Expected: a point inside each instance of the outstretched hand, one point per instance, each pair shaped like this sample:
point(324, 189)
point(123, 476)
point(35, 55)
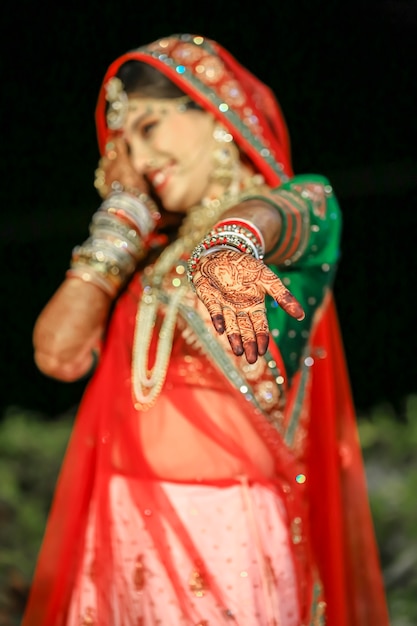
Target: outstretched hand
point(233, 286)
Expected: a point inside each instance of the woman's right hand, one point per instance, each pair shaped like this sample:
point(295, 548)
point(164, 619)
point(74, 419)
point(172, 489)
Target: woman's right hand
point(115, 167)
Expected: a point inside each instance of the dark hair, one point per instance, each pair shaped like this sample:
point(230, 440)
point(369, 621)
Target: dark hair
point(146, 80)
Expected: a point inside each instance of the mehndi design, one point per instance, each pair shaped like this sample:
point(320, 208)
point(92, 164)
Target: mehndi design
point(233, 286)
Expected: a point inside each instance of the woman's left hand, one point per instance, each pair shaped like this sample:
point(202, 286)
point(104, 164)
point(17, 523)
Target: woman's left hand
point(233, 286)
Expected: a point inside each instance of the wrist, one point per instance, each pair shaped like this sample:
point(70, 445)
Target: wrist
point(231, 233)
point(264, 217)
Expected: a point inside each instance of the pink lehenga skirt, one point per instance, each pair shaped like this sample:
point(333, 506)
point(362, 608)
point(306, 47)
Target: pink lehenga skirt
point(241, 532)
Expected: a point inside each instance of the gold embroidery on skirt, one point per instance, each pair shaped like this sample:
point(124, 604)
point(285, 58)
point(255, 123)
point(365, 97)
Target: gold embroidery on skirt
point(197, 583)
point(88, 619)
point(139, 574)
point(270, 572)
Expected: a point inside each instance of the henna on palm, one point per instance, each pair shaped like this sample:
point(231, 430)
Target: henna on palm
point(233, 286)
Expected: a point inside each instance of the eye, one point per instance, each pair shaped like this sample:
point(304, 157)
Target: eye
point(148, 127)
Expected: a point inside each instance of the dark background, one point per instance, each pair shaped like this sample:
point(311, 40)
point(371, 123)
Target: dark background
point(344, 75)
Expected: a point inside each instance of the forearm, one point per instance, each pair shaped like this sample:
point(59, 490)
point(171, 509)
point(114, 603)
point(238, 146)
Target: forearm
point(69, 328)
point(72, 324)
point(264, 217)
point(307, 225)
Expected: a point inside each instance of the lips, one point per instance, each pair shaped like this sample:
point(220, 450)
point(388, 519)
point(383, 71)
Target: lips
point(159, 178)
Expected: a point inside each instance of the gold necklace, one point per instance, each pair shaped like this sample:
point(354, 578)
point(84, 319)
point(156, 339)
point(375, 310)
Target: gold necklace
point(148, 382)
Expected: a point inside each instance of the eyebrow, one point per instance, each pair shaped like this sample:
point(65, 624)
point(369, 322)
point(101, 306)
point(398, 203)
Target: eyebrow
point(140, 119)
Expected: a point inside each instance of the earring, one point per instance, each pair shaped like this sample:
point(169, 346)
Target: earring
point(225, 157)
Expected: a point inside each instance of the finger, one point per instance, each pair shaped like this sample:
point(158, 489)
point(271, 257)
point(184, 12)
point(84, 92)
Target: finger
point(111, 151)
point(208, 297)
point(275, 288)
point(116, 150)
point(260, 326)
point(119, 145)
point(102, 162)
point(100, 179)
point(232, 331)
point(247, 333)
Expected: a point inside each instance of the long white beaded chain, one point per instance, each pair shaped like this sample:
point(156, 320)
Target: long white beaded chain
point(147, 383)
point(143, 378)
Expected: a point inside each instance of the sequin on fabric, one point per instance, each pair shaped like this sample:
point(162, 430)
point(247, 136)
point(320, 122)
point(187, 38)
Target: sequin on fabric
point(197, 583)
point(139, 574)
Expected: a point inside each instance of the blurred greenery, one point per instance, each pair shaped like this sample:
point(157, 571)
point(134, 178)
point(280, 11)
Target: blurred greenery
point(31, 451)
point(389, 447)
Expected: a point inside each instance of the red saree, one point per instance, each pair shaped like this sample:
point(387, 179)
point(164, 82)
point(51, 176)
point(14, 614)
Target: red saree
point(321, 479)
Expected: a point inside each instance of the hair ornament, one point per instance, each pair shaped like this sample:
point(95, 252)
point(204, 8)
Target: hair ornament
point(118, 103)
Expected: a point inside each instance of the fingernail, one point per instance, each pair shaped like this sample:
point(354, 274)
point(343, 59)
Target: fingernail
point(251, 352)
point(218, 323)
point(236, 344)
point(263, 341)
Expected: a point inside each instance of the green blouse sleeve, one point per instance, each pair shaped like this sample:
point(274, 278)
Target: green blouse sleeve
point(307, 252)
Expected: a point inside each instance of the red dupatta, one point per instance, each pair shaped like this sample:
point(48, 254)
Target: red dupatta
point(341, 524)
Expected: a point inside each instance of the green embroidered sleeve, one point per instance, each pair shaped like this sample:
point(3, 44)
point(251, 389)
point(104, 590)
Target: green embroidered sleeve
point(307, 253)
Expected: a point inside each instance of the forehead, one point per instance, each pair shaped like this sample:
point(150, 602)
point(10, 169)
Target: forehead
point(140, 105)
point(138, 109)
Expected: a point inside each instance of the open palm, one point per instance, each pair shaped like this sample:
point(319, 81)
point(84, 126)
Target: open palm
point(233, 286)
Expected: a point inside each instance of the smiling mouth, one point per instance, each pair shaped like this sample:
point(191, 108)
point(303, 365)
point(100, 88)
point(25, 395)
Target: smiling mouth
point(159, 178)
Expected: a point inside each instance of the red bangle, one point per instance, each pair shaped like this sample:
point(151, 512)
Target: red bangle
point(246, 224)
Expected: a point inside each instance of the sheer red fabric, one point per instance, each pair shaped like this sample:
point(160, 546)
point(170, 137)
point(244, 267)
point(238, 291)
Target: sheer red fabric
point(110, 436)
point(342, 526)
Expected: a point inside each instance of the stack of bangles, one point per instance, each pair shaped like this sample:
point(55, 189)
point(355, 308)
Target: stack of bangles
point(118, 236)
point(229, 234)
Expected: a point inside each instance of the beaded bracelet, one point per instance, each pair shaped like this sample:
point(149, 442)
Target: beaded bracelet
point(229, 234)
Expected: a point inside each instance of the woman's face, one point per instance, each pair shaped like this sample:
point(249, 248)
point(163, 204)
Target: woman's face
point(172, 148)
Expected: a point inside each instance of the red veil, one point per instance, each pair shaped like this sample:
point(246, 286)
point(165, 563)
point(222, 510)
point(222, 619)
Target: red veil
point(341, 525)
